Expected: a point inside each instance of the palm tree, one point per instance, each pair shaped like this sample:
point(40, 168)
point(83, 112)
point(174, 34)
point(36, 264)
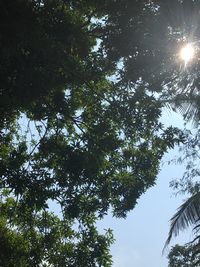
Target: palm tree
point(188, 214)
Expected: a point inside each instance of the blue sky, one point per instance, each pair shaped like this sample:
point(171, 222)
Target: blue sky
point(141, 236)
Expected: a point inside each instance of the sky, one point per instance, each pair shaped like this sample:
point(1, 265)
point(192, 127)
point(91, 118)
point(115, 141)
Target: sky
point(140, 238)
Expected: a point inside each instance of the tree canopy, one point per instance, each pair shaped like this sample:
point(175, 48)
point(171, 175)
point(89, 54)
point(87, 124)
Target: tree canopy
point(83, 84)
point(188, 214)
point(182, 256)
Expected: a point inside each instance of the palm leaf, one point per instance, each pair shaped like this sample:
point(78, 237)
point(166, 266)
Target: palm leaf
point(188, 213)
point(197, 238)
point(189, 111)
point(196, 228)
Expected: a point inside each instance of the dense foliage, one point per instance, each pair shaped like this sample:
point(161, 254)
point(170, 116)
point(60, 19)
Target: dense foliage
point(83, 84)
point(187, 100)
point(188, 213)
point(182, 256)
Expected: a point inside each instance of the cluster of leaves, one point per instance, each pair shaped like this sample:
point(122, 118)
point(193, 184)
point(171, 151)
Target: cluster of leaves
point(42, 239)
point(68, 132)
point(186, 99)
point(188, 213)
point(182, 256)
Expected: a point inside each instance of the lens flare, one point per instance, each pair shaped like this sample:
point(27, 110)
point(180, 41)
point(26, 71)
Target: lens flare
point(187, 53)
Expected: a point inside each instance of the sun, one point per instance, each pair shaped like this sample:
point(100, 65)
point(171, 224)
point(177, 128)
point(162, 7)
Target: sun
point(187, 53)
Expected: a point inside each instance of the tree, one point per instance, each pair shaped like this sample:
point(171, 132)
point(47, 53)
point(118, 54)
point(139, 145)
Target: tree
point(47, 240)
point(179, 88)
point(72, 134)
point(182, 256)
point(188, 213)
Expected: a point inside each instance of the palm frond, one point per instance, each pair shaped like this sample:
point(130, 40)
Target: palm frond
point(197, 238)
point(189, 111)
point(187, 104)
point(188, 213)
point(197, 227)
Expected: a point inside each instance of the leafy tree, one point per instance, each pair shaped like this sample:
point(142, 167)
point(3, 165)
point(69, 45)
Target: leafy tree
point(178, 86)
point(83, 84)
point(42, 239)
point(188, 213)
point(182, 256)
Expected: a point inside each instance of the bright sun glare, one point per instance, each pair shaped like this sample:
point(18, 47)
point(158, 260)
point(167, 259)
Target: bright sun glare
point(187, 53)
